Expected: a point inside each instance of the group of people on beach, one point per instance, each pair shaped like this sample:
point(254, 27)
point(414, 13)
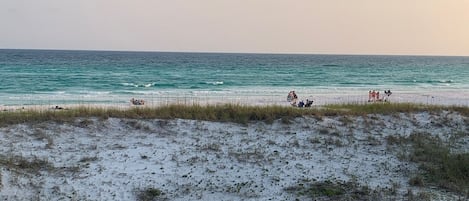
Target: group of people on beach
point(373, 96)
point(293, 98)
point(137, 101)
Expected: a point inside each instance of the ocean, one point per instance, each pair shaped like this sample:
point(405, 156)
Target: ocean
point(57, 77)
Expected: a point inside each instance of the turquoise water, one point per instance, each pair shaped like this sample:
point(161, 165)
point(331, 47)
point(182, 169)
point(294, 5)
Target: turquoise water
point(41, 77)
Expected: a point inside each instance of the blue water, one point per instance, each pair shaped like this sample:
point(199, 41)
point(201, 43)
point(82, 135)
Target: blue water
point(41, 77)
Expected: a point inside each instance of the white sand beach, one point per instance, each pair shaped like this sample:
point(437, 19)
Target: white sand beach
point(118, 159)
point(448, 98)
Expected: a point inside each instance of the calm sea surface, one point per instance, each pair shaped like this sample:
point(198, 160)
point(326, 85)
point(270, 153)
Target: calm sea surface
point(43, 77)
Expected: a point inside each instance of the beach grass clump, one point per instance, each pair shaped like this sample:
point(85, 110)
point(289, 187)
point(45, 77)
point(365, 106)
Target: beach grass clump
point(388, 108)
point(149, 194)
point(22, 164)
point(419, 196)
point(438, 165)
point(332, 190)
point(318, 189)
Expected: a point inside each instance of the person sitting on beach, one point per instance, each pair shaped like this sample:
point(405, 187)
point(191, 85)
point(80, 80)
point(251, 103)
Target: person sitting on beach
point(295, 97)
point(137, 102)
point(301, 103)
point(292, 98)
point(308, 103)
point(388, 93)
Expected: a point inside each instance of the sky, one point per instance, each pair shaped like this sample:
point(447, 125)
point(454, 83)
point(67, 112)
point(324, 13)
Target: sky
point(389, 27)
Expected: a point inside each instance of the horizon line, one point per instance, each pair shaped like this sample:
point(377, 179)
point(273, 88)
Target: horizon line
point(227, 52)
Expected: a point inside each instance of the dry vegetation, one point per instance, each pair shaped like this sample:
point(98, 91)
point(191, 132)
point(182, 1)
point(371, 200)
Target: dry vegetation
point(221, 113)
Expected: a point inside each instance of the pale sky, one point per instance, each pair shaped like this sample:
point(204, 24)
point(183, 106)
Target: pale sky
point(403, 27)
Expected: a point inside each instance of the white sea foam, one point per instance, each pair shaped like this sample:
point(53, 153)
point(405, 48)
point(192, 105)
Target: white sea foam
point(215, 83)
point(138, 85)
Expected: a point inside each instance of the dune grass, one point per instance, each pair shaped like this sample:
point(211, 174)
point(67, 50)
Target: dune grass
point(391, 108)
point(438, 165)
point(22, 164)
point(336, 190)
point(222, 113)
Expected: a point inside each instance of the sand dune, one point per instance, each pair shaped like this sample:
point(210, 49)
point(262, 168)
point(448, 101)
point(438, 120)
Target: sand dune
point(119, 159)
